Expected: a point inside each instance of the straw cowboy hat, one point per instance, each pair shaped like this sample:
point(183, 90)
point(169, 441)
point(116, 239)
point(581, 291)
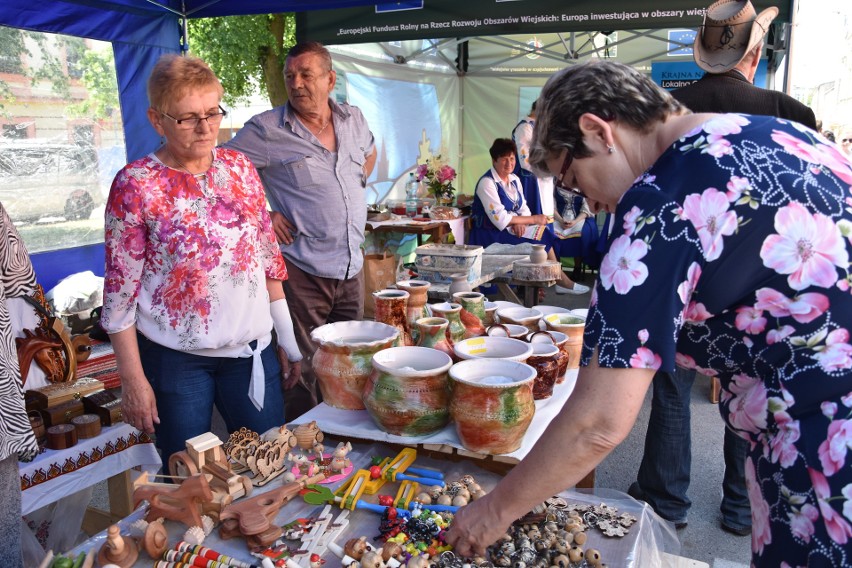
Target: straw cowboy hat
point(731, 29)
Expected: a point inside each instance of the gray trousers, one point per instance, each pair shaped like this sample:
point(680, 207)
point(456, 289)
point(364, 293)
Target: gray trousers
point(10, 513)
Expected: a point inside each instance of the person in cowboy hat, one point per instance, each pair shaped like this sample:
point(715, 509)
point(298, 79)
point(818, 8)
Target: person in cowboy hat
point(728, 47)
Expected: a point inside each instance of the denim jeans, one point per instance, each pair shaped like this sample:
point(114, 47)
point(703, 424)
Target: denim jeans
point(663, 477)
point(187, 386)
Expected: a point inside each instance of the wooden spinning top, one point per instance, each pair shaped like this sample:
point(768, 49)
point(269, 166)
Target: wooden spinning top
point(156, 539)
point(118, 550)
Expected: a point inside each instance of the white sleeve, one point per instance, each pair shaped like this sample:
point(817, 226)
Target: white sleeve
point(486, 190)
point(524, 134)
point(283, 324)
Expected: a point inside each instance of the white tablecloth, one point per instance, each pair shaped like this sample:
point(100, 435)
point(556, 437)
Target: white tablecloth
point(456, 225)
point(55, 474)
point(358, 424)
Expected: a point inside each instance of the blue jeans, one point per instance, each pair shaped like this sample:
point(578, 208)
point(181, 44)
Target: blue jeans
point(187, 386)
point(663, 477)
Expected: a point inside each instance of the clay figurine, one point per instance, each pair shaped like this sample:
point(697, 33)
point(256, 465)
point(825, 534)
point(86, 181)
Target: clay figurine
point(339, 461)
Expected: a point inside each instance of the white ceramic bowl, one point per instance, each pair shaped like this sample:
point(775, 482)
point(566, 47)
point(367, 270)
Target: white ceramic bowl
point(486, 347)
point(580, 312)
point(520, 316)
point(564, 322)
point(505, 304)
point(547, 310)
point(488, 372)
point(412, 361)
point(516, 331)
point(354, 333)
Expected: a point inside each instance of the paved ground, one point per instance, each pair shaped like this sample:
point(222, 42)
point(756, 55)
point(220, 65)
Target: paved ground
point(702, 539)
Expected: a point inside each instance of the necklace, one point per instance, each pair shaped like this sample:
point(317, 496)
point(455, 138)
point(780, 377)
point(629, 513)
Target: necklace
point(183, 167)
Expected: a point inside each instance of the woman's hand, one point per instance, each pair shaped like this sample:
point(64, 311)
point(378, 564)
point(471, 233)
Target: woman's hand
point(290, 372)
point(518, 230)
point(138, 404)
point(476, 526)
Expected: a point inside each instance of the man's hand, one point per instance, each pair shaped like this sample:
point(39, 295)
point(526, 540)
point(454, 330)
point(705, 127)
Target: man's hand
point(284, 229)
point(290, 372)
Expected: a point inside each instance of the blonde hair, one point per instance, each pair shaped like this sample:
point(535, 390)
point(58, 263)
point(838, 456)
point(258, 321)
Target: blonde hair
point(174, 76)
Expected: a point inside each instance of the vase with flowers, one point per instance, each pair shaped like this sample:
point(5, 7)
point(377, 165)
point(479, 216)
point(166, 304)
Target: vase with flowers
point(438, 178)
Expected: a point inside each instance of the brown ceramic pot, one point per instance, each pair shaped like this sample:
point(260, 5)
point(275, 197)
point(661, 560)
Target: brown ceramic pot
point(545, 362)
point(391, 309)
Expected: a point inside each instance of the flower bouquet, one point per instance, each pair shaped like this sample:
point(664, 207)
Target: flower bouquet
point(438, 178)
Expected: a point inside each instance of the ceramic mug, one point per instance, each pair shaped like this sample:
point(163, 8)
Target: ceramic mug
point(512, 330)
point(545, 361)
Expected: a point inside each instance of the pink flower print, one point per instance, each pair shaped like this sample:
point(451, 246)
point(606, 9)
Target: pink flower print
point(736, 186)
point(837, 353)
point(783, 442)
point(684, 361)
point(643, 336)
point(717, 147)
point(687, 287)
point(776, 335)
point(807, 307)
point(725, 124)
point(696, 313)
point(747, 404)
point(750, 320)
point(630, 219)
point(847, 506)
point(802, 522)
point(760, 534)
point(807, 247)
point(622, 267)
point(710, 216)
point(838, 529)
point(847, 400)
point(832, 450)
point(827, 155)
point(644, 358)
point(773, 301)
point(829, 409)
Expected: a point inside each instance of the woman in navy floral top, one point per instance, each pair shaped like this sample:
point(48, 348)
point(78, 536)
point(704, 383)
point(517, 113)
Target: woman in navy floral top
point(730, 254)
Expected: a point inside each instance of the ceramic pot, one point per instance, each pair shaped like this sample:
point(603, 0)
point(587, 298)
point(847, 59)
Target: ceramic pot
point(538, 254)
point(492, 404)
point(391, 308)
point(474, 302)
point(452, 313)
point(573, 327)
point(432, 332)
point(493, 348)
point(459, 283)
point(407, 393)
point(561, 341)
point(544, 360)
point(342, 361)
point(490, 309)
point(512, 330)
point(418, 291)
point(526, 317)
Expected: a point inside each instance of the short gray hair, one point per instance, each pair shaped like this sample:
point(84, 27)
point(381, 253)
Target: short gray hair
point(313, 48)
point(610, 90)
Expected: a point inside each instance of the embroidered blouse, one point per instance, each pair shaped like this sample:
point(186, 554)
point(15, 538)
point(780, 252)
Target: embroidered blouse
point(491, 192)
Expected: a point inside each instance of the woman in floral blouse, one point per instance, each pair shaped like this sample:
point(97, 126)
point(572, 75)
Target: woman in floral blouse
point(730, 254)
point(193, 274)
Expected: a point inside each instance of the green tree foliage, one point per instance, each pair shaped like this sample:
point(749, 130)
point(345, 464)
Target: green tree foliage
point(246, 53)
point(97, 73)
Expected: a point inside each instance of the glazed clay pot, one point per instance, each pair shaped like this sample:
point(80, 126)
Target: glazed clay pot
point(544, 360)
point(418, 291)
point(573, 327)
point(342, 361)
point(432, 332)
point(492, 404)
point(473, 302)
point(391, 308)
point(561, 341)
point(407, 393)
point(452, 313)
point(490, 309)
point(538, 254)
point(493, 348)
point(512, 330)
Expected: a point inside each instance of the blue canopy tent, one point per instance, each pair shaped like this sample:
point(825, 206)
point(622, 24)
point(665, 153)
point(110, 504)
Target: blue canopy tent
point(140, 32)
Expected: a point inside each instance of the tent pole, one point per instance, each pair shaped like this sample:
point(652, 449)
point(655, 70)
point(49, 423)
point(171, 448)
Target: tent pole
point(788, 67)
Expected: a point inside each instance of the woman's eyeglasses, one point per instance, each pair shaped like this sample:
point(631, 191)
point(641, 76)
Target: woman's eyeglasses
point(846, 140)
point(192, 123)
point(560, 179)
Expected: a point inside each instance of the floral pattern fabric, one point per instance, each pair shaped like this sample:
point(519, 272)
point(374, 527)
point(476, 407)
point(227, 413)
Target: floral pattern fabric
point(187, 258)
point(731, 255)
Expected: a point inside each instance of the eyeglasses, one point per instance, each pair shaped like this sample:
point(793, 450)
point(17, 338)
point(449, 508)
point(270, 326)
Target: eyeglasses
point(193, 122)
point(560, 179)
point(846, 140)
